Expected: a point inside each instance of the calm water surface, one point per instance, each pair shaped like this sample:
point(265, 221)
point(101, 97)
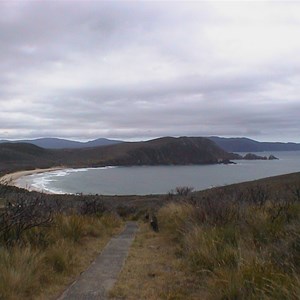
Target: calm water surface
point(160, 179)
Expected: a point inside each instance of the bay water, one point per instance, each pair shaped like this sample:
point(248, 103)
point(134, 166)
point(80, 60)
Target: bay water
point(143, 180)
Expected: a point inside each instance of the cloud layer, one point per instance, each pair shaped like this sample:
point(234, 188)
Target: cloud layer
point(130, 70)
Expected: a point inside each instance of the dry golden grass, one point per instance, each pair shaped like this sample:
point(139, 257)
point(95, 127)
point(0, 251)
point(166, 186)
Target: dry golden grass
point(153, 271)
point(83, 255)
point(173, 218)
point(49, 259)
point(233, 246)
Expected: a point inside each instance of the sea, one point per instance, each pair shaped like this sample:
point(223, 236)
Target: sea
point(144, 180)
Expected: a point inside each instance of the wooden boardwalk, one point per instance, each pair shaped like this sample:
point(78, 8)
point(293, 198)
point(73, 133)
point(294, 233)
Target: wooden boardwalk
point(100, 277)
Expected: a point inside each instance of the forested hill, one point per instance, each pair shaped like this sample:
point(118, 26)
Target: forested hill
point(248, 145)
point(162, 151)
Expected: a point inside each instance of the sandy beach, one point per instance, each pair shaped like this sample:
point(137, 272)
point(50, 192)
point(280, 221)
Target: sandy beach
point(12, 178)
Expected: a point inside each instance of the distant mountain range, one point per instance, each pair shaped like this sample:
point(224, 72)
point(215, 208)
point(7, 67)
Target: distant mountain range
point(248, 145)
point(227, 144)
point(55, 143)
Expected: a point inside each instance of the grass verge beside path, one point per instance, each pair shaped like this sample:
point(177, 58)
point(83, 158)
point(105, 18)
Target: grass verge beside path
point(242, 251)
point(230, 244)
point(154, 271)
point(47, 260)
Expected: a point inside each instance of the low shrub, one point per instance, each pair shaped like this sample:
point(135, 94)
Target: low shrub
point(183, 190)
point(19, 217)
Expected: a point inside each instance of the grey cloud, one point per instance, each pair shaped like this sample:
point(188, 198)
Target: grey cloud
point(138, 70)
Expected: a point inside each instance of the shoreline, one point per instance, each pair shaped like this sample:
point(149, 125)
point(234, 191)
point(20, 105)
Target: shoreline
point(19, 180)
point(11, 179)
point(14, 179)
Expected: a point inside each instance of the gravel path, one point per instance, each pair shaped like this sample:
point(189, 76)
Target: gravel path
point(100, 277)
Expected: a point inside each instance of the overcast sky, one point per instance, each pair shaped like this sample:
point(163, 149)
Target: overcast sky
point(138, 70)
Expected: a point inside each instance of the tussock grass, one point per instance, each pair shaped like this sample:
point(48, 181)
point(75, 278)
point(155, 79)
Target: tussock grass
point(70, 227)
point(175, 218)
point(207, 249)
point(20, 272)
point(230, 243)
point(60, 257)
point(50, 257)
point(238, 249)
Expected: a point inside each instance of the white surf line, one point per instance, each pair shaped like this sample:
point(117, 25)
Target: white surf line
point(11, 178)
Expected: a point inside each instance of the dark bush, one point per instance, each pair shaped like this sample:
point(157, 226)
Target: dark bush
point(183, 190)
point(20, 216)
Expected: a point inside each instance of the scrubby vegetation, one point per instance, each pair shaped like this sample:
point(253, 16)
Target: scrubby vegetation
point(240, 245)
point(42, 250)
point(236, 242)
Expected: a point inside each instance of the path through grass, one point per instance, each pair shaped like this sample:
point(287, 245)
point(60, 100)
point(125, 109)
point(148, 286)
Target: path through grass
point(239, 245)
point(46, 260)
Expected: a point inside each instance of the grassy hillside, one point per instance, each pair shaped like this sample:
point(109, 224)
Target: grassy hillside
point(238, 242)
